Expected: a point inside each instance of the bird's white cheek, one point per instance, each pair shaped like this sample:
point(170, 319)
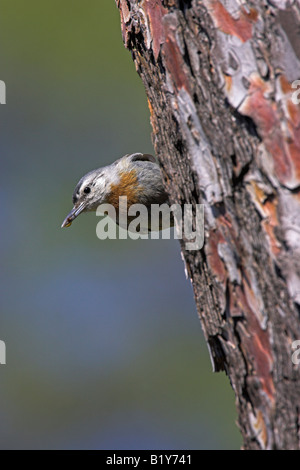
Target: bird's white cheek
point(93, 205)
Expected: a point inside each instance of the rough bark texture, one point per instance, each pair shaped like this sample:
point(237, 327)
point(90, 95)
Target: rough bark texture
point(218, 79)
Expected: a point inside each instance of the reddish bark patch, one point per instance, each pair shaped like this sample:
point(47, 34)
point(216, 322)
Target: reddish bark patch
point(228, 82)
point(270, 224)
point(260, 429)
point(285, 84)
point(268, 207)
point(294, 113)
point(256, 345)
point(240, 27)
point(213, 259)
point(282, 143)
point(125, 18)
point(175, 63)
point(155, 12)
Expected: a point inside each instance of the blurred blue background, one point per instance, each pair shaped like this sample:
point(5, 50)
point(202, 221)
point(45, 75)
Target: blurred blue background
point(104, 346)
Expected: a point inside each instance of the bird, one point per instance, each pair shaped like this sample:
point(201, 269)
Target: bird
point(136, 176)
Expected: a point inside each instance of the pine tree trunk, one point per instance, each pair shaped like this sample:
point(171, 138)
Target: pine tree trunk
point(226, 131)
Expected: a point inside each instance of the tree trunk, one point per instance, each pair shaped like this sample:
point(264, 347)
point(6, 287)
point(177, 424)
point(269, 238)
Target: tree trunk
point(226, 131)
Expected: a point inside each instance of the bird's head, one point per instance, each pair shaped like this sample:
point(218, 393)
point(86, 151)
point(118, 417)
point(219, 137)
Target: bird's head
point(136, 176)
point(88, 194)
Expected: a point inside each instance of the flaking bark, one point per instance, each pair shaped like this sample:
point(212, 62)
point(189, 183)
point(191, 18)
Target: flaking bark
point(226, 132)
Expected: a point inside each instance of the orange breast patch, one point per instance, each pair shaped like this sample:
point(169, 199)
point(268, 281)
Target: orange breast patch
point(127, 186)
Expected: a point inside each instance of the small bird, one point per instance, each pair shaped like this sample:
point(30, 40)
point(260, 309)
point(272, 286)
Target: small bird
point(136, 176)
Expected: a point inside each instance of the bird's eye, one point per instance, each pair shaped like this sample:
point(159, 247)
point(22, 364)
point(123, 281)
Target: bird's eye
point(87, 190)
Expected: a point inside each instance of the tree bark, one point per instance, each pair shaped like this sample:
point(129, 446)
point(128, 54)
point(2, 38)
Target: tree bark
point(226, 133)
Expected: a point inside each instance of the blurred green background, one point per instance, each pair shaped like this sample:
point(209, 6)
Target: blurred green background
point(104, 346)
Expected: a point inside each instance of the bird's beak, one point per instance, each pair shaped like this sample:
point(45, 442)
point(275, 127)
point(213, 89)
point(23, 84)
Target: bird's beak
point(73, 214)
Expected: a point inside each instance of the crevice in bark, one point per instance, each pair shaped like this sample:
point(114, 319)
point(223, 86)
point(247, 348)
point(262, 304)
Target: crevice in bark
point(238, 180)
point(185, 5)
